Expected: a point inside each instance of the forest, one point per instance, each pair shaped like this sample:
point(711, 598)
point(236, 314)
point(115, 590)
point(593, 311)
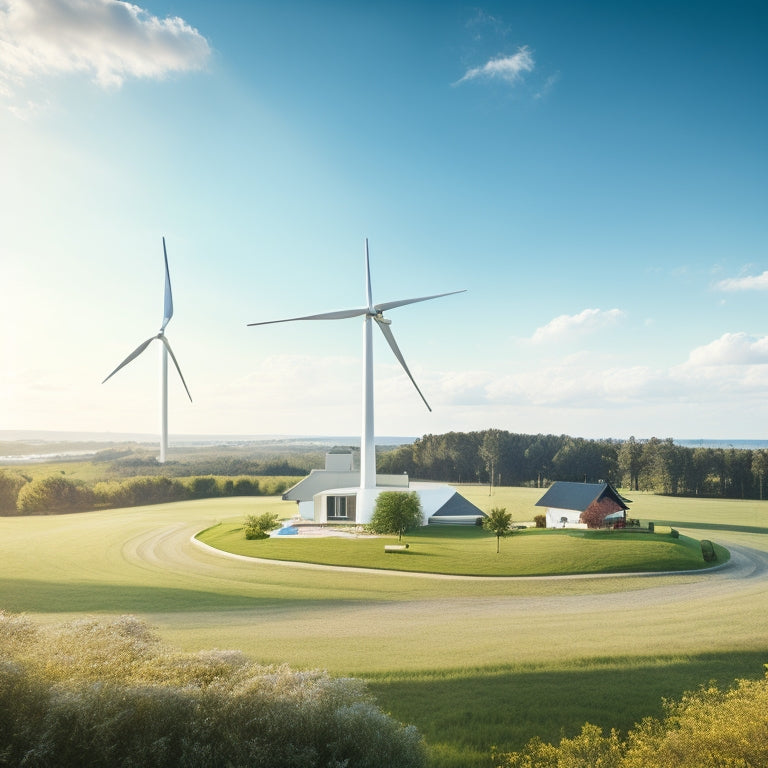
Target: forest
point(656, 465)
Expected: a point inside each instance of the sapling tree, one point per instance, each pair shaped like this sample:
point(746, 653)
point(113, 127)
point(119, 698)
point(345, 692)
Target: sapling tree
point(498, 522)
point(396, 512)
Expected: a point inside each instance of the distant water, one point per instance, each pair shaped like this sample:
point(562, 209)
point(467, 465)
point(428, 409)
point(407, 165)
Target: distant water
point(739, 444)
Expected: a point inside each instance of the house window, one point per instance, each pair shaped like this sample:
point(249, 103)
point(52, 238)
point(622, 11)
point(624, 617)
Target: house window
point(341, 507)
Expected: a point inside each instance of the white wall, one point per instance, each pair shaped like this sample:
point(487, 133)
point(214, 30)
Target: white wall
point(555, 517)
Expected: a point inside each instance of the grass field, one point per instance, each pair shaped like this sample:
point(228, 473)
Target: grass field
point(471, 662)
point(471, 551)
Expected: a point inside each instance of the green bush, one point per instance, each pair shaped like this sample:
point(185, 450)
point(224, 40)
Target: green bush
point(110, 695)
point(246, 487)
point(540, 520)
point(259, 526)
point(10, 485)
point(708, 551)
point(52, 495)
point(203, 487)
point(709, 728)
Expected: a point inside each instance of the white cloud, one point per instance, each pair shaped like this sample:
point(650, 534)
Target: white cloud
point(587, 321)
point(508, 68)
point(106, 39)
point(748, 283)
point(731, 349)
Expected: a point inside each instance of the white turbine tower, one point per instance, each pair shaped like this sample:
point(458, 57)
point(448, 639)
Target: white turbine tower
point(370, 312)
point(165, 350)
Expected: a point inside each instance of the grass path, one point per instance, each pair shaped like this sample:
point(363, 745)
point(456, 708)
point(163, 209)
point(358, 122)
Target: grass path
point(436, 649)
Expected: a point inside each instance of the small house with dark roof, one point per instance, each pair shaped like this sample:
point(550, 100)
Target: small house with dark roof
point(566, 502)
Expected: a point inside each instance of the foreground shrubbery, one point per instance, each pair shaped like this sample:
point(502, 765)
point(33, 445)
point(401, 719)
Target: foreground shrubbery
point(710, 728)
point(96, 693)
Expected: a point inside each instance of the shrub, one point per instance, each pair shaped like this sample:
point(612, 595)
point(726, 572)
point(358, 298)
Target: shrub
point(110, 695)
point(50, 495)
point(203, 487)
point(708, 551)
point(589, 749)
point(709, 728)
point(540, 520)
point(259, 526)
point(246, 487)
point(10, 485)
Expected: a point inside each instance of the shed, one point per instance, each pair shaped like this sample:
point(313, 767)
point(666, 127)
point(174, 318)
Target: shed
point(566, 502)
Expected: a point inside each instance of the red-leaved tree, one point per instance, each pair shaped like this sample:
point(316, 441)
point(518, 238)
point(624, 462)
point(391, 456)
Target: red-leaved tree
point(597, 511)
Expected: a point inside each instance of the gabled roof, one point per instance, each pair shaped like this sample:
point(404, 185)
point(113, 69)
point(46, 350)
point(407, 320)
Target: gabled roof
point(578, 496)
point(458, 506)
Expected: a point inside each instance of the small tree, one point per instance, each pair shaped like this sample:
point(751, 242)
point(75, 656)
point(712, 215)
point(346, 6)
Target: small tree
point(594, 515)
point(396, 512)
point(498, 522)
point(259, 526)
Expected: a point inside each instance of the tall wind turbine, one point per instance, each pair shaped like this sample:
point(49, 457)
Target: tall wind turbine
point(165, 350)
point(370, 312)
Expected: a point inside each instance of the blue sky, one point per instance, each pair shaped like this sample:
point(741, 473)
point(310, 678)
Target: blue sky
point(594, 174)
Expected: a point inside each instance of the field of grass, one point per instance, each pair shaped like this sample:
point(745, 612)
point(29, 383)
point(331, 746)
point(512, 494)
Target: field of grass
point(471, 662)
point(471, 551)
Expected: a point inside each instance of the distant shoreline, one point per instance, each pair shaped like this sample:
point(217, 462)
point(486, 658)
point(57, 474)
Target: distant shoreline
point(43, 437)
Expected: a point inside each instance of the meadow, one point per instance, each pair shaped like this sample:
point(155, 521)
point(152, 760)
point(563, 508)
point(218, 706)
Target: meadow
point(472, 662)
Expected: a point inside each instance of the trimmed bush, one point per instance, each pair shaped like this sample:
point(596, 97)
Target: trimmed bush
point(540, 520)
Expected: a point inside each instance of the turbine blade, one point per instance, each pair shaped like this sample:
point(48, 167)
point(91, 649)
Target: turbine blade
point(393, 344)
point(340, 315)
point(392, 304)
point(368, 295)
point(136, 352)
point(175, 362)
point(168, 302)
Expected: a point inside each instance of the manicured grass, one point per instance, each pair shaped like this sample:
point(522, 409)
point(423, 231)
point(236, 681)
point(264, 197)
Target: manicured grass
point(471, 551)
point(471, 662)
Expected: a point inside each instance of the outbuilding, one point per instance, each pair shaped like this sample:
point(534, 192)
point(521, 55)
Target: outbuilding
point(566, 504)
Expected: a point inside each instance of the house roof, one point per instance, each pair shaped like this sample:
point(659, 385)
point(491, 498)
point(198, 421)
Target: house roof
point(578, 496)
point(319, 480)
point(458, 506)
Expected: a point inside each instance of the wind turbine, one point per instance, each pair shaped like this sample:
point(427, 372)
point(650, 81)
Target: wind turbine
point(370, 312)
point(165, 350)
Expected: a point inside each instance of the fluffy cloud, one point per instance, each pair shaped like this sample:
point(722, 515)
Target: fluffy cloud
point(568, 325)
point(749, 283)
point(731, 349)
point(109, 40)
point(508, 68)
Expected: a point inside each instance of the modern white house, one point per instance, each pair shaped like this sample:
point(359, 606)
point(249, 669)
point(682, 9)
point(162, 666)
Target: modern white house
point(565, 502)
point(334, 495)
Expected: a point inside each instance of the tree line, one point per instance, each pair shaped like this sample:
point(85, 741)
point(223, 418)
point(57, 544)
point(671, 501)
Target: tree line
point(657, 465)
point(57, 494)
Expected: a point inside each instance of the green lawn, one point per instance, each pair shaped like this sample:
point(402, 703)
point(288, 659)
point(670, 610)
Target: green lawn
point(471, 662)
point(471, 551)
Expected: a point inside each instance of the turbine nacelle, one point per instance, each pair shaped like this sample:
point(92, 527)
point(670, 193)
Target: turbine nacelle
point(375, 312)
